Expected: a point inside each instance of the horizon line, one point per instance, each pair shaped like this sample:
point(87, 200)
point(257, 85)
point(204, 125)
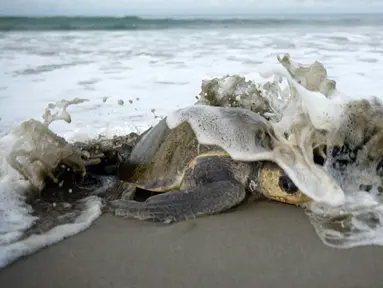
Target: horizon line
point(141, 15)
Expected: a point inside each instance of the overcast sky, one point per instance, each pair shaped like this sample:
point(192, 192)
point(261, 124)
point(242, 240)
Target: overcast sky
point(179, 7)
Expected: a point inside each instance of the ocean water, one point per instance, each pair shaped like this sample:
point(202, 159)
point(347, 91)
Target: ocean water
point(187, 22)
point(154, 66)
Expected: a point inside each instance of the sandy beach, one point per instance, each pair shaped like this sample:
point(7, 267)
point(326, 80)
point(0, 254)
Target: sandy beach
point(263, 244)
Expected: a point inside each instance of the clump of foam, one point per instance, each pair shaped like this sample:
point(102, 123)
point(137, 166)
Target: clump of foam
point(233, 91)
point(243, 134)
point(62, 114)
point(36, 152)
point(313, 77)
point(29, 154)
point(358, 167)
point(277, 96)
point(358, 222)
point(352, 131)
point(324, 113)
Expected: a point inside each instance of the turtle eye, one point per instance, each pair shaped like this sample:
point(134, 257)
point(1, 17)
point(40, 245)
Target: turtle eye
point(287, 185)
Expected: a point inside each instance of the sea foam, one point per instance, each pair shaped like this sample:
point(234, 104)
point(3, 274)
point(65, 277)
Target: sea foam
point(311, 119)
point(30, 153)
point(299, 107)
point(352, 131)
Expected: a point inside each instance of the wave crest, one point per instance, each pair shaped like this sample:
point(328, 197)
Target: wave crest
point(137, 23)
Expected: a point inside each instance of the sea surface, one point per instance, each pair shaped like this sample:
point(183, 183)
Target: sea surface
point(163, 68)
point(157, 65)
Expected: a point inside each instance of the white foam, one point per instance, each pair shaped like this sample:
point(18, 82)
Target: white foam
point(357, 223)
point(62, 114)
point(305, 115)
point(357, 122)
point(233, 129)
point(324, 113)
point(164, 70)
point(15, 213)
point(29, 154)
point(11, 252)
point(234, 91)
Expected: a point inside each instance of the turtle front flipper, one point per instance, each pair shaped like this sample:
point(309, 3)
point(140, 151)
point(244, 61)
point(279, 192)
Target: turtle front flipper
point(207, 199)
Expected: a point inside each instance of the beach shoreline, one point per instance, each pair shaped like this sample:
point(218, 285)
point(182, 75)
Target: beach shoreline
point(263, 244)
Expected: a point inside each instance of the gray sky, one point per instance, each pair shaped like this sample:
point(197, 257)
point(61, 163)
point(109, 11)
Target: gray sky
point(179, 7)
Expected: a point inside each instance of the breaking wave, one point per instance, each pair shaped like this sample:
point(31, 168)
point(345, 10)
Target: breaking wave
point(138, 23)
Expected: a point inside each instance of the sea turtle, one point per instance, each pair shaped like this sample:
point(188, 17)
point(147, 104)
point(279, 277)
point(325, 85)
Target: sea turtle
point(187, 179)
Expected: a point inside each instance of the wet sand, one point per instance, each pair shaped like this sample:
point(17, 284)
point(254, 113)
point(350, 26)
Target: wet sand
point(259, 245)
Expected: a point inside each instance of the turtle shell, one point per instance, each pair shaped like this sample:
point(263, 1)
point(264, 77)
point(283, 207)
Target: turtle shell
point(164, 171)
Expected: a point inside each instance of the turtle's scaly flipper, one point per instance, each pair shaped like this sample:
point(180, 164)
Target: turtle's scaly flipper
point(207, 199)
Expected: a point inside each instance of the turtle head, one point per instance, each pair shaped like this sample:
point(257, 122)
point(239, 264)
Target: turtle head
point(274, 184)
